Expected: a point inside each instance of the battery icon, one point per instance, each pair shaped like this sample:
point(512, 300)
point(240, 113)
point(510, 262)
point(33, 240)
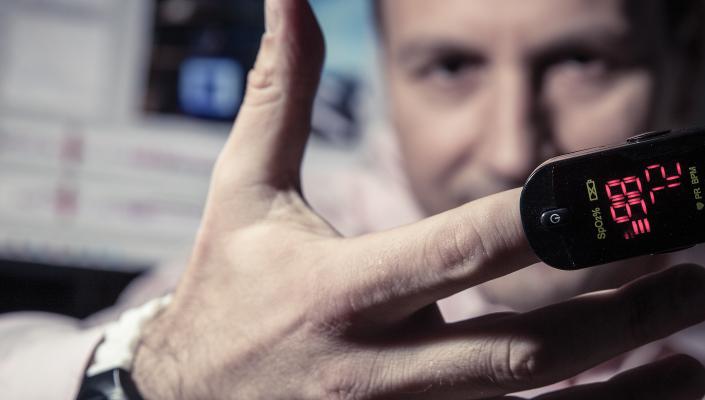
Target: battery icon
point(592, 190)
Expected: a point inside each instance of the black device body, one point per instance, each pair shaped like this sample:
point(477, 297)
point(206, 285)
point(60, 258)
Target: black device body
point(614, 202)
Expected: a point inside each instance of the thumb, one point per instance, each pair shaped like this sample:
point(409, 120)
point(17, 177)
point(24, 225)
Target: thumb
point(268, 138)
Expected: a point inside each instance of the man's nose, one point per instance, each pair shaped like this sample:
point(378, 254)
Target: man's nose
point(513, 142)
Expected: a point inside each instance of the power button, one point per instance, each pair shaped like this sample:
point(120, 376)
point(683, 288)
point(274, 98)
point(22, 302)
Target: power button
point(555, 218)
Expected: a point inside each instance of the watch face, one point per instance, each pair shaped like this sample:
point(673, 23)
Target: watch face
point(614, 203)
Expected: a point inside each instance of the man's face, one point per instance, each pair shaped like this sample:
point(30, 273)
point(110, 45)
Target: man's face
point(483, 91)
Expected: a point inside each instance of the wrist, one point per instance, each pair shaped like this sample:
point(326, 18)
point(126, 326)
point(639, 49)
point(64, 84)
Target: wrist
point(155, 368)
point(109, 374)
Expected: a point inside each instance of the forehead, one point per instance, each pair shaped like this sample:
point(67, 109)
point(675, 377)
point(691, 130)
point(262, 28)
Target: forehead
point(484, 21)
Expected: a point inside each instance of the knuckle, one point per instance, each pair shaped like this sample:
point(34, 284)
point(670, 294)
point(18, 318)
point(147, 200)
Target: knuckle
point(262, 74)
point(341, 381)
point(264, 71)
point(454, 248)
point(262, 88)
point(343, 389)
point(520, 364)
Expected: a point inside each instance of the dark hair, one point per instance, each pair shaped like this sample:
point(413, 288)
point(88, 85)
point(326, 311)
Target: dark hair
point(683, 17)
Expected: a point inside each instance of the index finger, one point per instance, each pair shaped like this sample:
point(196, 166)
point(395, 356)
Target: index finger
point(402, 270)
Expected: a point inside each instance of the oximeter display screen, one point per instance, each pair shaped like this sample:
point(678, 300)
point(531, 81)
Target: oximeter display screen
point(632, 199)
point(626, 202)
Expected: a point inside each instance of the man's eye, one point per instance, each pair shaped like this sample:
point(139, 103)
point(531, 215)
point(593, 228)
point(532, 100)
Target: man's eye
point(450, 68)
point(581, 58)
point(580, 65)
point(578, 74)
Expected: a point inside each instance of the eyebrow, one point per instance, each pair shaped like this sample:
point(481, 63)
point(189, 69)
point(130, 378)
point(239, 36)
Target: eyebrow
point(425, 48)
point(599, 39)
point(618, 46)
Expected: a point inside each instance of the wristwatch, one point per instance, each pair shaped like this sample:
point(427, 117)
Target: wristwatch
point(115, 384)
point(108, 375)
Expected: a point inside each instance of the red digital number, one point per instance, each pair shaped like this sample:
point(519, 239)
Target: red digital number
point(628, 205)
point(626, 195)
point(658, 178)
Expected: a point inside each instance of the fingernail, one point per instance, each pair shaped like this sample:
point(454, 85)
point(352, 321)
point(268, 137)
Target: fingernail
point(272, 15)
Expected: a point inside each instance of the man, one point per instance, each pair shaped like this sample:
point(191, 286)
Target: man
point(275, 303)
point(482, 98)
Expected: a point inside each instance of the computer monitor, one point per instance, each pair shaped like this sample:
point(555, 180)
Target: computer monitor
point(93, 172)
point(112, 113)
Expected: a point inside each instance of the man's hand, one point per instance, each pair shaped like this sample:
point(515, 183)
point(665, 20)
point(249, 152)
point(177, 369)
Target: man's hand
point(276, 304)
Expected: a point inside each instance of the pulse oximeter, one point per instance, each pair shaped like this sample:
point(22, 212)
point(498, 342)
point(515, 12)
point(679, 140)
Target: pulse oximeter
point(609, 203)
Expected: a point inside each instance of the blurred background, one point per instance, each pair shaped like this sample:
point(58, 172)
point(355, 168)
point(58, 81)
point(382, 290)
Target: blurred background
point(111, 115)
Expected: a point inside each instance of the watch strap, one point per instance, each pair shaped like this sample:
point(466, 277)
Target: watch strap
point(122, 337)
point(115, 384)
point(108, 375)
